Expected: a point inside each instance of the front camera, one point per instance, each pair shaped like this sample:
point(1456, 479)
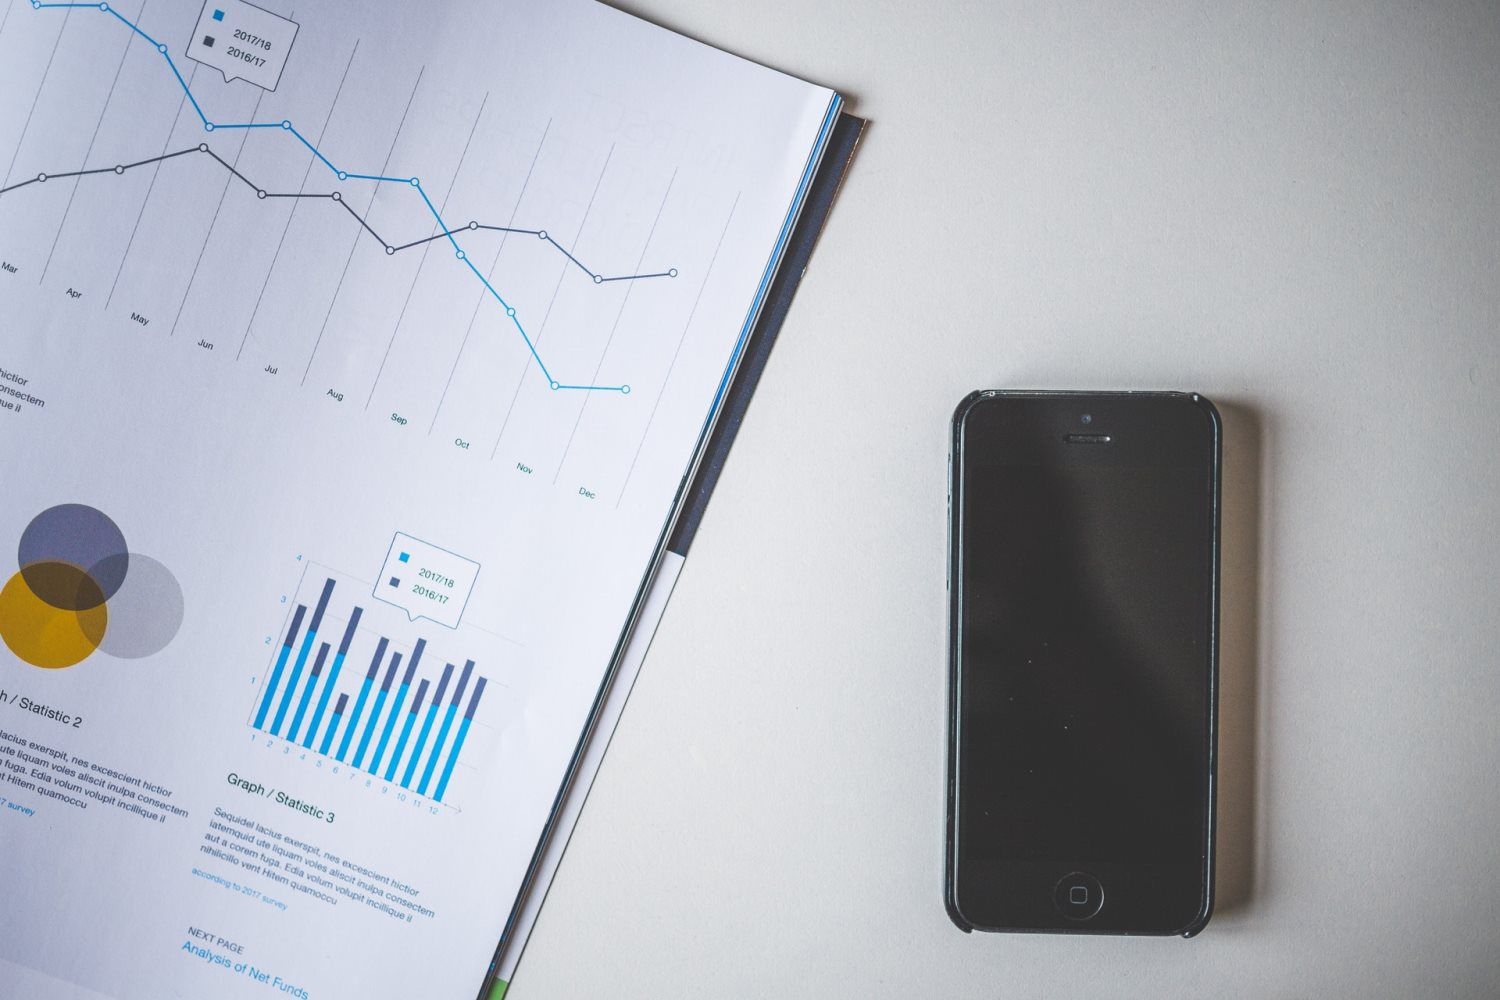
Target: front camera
point(1088, 418)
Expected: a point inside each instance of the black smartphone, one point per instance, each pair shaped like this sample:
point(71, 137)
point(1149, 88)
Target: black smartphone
point(1083, 662)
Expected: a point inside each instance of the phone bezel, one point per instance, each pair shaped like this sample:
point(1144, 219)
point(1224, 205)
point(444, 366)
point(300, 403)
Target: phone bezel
point(955, 589)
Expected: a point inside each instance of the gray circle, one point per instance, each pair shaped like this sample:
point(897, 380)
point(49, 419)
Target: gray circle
point(146, 613)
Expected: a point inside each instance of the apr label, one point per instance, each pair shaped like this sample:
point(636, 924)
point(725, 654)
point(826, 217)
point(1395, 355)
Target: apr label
point(426, 581)
point(243, 42)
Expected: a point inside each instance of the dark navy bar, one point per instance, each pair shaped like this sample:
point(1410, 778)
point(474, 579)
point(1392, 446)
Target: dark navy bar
point(317, 618)
point(380, 696)
point(411, 720)
point(426, 730)
point(333, 678)
point(312, 682)
point(445, 728)
point(364, 694)
point(390, 722)
point(338, 715)
point(463, 682)
point(474, 701)
point(286, 651)
point(291, 633)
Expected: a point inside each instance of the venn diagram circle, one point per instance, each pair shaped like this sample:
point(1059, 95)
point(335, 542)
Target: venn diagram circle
point(80, 589)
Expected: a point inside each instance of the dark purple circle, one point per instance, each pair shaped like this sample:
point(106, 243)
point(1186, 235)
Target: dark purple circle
point(80, 536)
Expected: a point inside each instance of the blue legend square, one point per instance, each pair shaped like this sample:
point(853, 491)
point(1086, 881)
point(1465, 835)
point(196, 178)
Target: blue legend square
point(395, 581)
point(218, 15)
point(208, 41)
point(405, 557)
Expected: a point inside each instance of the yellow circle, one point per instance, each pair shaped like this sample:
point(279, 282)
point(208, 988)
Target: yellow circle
point(45, 636)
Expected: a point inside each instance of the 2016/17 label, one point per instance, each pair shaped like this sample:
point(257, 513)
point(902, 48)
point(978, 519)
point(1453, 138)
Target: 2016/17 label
point(249, 57)
point(429, 593)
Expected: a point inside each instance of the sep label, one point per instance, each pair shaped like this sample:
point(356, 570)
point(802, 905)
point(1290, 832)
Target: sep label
point(242, 41)
point(426, 581)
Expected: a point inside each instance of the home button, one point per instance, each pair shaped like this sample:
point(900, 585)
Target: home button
point(1078, 896)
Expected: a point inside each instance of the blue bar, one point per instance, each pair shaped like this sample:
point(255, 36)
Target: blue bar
point(286, 650)
point(307, 644)
point(385, 688)
point(426, 730)
point(411, 717)
point(333, 677)
point(390, 722)
point(338, 713)
point(442, 736)
point(359, 703)
point(458, 741)
point(307, 690)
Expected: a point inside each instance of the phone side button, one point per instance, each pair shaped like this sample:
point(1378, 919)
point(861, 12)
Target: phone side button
point(1078, 896)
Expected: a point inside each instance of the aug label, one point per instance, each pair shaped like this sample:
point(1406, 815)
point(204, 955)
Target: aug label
point(243, 42)
point(426, 581)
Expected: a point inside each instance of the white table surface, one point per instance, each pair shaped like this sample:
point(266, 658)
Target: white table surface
point(1293, 208)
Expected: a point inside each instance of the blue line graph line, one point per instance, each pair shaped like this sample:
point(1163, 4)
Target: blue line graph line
point(444, 231)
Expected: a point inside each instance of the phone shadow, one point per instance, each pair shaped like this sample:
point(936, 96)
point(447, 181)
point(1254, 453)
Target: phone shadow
point(1241, 838)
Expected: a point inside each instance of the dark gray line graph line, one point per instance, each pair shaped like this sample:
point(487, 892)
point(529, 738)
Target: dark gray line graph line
point(614, 327)
point(213, 223)
point(478, 302)
point(68, 210)
point(150, 188)
point(422, 263)
point(281, 242)
point(541, 330)
point(37, 97)
point(349, 259)
point(390, 248)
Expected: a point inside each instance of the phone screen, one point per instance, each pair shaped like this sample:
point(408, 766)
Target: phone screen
point(1087, 590)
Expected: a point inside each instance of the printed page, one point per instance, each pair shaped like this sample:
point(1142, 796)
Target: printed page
point(351, 360)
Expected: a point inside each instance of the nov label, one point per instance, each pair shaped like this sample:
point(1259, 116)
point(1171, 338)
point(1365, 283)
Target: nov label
point(426, 581)
point(243, 42)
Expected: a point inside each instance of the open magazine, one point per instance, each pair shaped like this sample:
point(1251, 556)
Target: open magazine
point(355, 363)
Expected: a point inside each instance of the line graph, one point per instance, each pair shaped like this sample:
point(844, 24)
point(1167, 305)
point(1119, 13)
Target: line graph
point(444, 230)
point(338, 198)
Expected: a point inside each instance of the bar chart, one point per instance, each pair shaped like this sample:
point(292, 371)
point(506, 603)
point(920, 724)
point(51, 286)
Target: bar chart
point(405, 721)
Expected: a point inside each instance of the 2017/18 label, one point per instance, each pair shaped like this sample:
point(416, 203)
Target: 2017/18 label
point(249, 39)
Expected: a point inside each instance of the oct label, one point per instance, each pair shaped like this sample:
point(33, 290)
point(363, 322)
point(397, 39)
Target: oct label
point(426, 581)
point(243, 42)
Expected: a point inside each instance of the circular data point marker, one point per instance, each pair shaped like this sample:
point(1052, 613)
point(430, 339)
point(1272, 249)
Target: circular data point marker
point(35, 4)
point(162, 49)
point(119, 168)
point(261, 193)
point(473, 225)
point(390, 249)
point(510, 311)
point(104, 7)
point(542, 235)
point(672, 273)
point(598, 279)
point(208, 126)
point(343, 176)
point(459, 254)
point(415, 183)
point(41, 177)
point(202, 147)
point(556, 385)
point(337, 196)
point(286, 124)
point(624, 390)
